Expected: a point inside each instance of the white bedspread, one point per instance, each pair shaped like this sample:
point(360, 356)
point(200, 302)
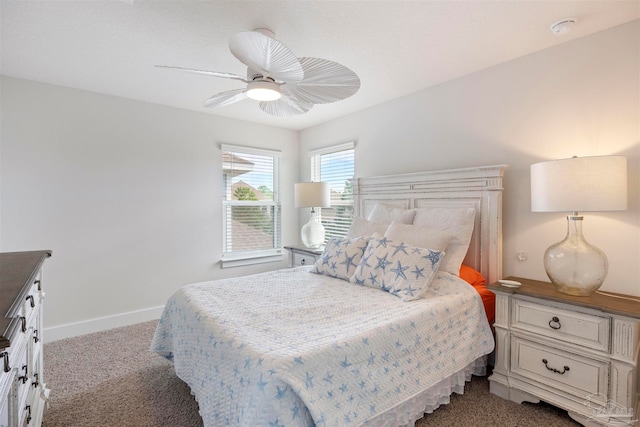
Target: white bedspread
point(292, 348)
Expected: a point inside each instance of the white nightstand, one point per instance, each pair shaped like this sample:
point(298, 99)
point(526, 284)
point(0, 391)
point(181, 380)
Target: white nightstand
point(578, 353)
point(301, 255)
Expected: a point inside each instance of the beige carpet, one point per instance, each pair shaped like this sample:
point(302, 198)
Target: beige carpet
point(111, 379)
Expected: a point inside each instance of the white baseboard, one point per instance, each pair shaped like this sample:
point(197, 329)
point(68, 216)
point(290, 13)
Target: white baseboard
point(69, 330)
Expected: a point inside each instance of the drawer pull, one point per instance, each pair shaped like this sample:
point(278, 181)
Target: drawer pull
point(28, 409)
point(24, 377)
point(23, 321)
point(303, 261)
point(35, 336)
point(37, 282)
point(32, 302)
point(566, 368)
point(35, 383)
point(5, 356)
point(554, 323)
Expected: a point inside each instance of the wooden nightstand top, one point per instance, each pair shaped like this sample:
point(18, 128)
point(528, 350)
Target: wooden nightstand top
point(305, 250)
point(615, 304)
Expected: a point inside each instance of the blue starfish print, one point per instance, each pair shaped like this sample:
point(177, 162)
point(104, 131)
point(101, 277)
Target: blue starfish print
point(358, 281)
point(409, 290)
point(418, 272)
point(345, 363)
point(385, 287)
point(383, 242)
point(281, 392)
point(401, 247)
point(382, 263)
point(325, 259)
point(348, 261)
point(399, 270)
point(261, 383)
point(417, 251)
point(434, 257)
point(373, 278)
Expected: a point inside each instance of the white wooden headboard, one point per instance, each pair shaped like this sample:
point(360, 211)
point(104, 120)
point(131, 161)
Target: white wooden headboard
point(477, 187)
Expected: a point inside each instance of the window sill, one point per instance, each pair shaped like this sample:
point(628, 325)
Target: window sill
point(239, 260)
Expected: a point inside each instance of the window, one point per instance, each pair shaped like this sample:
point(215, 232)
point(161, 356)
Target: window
point(251, 206)
point(336, 165)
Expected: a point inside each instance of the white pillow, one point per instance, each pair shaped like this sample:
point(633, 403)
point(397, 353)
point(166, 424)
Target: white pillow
point(340, 257)
point(386, 214)
point(421, 237)
point(364, 227)
point(457, 221)
point(402, 270)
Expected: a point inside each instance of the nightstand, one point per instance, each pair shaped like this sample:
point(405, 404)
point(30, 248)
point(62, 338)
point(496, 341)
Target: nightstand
point(302, 255)
point(578, 353)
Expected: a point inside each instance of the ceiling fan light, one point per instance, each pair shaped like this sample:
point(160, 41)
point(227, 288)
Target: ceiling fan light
point(264, 91)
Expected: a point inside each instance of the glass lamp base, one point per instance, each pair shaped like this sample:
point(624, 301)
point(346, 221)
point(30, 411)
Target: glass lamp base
point(312, 233)
point(574, 266)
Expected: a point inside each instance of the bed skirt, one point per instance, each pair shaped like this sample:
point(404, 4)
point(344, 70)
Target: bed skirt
point(410, 411)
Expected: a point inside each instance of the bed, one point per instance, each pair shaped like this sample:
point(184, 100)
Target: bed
point(294, 348)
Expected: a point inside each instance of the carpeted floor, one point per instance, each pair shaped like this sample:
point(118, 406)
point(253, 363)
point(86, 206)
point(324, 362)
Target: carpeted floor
point(111, 379)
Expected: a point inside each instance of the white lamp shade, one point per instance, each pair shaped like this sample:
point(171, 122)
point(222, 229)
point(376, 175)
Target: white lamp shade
point(579, 184)
point(312, 195)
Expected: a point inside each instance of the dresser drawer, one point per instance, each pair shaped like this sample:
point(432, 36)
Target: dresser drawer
point(587, 330)
point(583, 377)
point(303, 259)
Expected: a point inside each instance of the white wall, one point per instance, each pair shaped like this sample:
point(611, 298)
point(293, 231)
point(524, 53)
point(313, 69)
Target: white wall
point(126, 194)
point(580, 98)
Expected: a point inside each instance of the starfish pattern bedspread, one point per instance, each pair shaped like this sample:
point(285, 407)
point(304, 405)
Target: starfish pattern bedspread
point(291, 348)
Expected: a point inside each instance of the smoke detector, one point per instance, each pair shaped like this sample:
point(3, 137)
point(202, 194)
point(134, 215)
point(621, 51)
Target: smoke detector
point(563, 26)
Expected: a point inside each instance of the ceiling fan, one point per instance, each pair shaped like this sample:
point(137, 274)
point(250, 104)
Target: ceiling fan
point(284, 84)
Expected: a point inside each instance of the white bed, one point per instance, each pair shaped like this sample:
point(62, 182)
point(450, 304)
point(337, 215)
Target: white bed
point(291, 348)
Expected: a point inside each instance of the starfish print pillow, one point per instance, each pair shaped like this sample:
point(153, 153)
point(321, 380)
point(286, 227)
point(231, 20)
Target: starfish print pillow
point(340, 257)
point(405, 271)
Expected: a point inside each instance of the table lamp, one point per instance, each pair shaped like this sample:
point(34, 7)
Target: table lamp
point(312, 195)
point(589, 184)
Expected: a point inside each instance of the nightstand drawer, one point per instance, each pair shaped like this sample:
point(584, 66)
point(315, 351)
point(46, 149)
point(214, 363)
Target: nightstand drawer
point(303, 259)
point(588, 330)
point(583, 377)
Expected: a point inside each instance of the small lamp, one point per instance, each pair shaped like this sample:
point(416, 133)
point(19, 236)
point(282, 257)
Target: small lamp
point(578, 184)
point(312, 195)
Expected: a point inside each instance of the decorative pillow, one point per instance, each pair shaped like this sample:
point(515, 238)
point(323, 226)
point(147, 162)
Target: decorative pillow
point(421, 237)
point(477, 280)
point(471, 276)
point(385, 214)
point(364, 227)
point(402, 270)
point(457, 221)
point(341, 257)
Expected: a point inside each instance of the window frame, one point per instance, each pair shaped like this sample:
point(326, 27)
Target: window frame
point(256, 256)
point(315, 163)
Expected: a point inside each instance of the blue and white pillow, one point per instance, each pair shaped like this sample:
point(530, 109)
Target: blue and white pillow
point(341, 257)
point(405, 271)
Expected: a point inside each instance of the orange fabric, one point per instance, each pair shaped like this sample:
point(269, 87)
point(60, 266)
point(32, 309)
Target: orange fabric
point(475, 279)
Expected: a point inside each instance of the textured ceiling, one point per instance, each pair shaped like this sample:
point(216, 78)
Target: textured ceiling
point(396, 47)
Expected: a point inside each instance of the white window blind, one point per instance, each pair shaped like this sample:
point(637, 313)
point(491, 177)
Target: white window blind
point(336, 165)
point(251, 206)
